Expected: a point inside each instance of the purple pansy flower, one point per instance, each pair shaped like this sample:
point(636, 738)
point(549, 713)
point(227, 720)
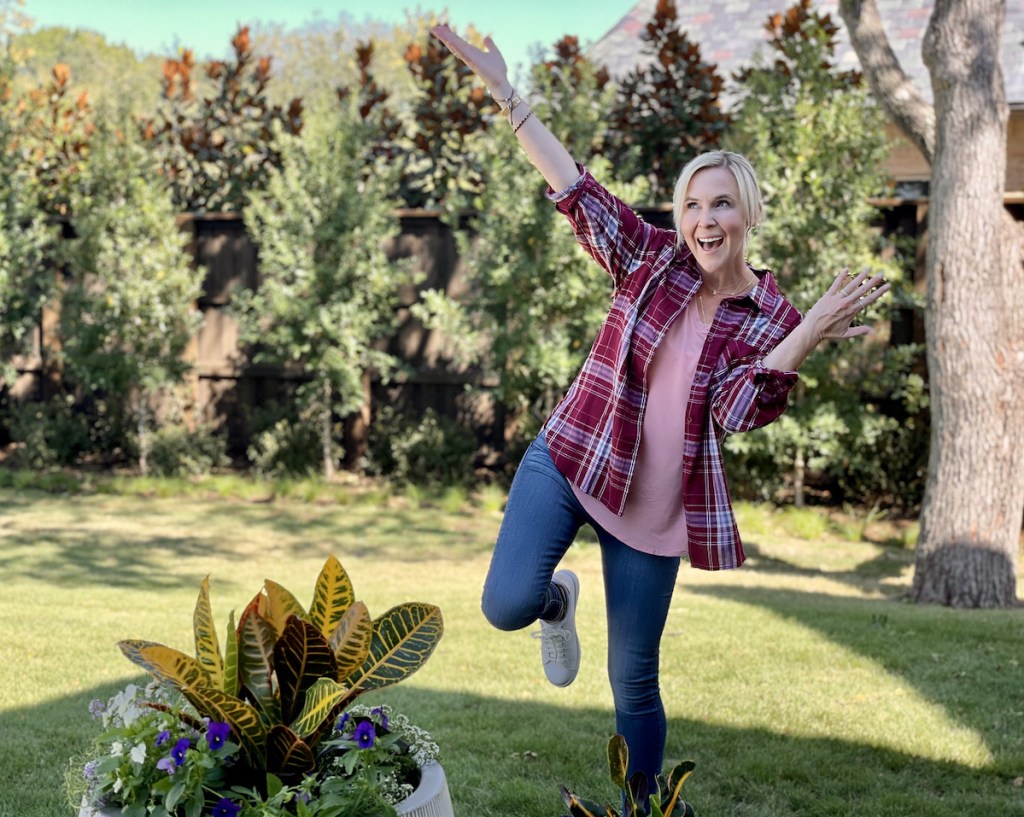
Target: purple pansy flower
point(226, 808)
point(216, 734)
point(365, 734)
point(379, 711)
point(178, 752)
point(162, 738)
point(96, 708)
point(342, 721)
point(89, 772)
point(166, 764)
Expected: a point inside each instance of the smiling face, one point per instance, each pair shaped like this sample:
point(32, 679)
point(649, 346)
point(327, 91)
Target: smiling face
point(713, 223)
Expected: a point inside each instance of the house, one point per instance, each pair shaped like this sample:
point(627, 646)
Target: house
point(731, 32)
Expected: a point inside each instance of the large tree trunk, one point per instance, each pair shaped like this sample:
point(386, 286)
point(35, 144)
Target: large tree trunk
point(974, 495)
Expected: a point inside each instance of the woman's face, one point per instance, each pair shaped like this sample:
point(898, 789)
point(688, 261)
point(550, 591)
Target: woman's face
point(714, 224)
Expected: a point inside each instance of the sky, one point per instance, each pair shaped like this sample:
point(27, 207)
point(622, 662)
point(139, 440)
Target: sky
point(206, 26)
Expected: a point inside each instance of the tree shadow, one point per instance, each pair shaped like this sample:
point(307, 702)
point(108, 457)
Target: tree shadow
point(873, 575)
point(507, 757)
point(974, 667)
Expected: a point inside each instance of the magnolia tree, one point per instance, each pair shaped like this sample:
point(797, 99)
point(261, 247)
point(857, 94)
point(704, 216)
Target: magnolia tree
point(327, 290)
point(974, 495)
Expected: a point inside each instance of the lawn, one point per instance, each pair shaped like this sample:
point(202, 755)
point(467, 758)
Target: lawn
point(802, 684)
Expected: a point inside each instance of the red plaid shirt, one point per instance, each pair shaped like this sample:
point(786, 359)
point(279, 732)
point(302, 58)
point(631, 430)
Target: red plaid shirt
point(594, 432)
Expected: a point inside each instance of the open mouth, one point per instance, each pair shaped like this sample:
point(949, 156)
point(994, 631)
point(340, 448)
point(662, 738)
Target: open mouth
point(710, 243)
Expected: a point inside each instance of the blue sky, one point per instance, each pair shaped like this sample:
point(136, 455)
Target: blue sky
point(206, 26)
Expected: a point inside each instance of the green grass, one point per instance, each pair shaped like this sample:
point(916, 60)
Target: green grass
point(801, 684)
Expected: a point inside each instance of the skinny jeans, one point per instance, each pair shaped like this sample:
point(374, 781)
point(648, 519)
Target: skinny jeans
point(542, 518)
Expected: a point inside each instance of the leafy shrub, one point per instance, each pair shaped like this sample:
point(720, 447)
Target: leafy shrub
point(288, 447)
point(431, 449)
point(176, 450)
point(48, 435)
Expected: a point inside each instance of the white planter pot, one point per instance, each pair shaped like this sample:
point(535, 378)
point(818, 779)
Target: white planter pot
point(431, 798)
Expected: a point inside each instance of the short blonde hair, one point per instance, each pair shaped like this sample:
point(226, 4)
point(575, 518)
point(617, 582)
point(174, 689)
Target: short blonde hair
point(746, 181)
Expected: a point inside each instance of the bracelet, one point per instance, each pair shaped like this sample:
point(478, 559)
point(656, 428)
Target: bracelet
point(506, 105)
point(522, 122)
point(511, 106)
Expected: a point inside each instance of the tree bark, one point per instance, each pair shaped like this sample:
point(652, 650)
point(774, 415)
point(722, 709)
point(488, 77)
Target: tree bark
point(974, 320)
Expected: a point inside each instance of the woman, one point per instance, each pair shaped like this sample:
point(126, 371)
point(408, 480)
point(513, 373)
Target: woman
point(697, 344)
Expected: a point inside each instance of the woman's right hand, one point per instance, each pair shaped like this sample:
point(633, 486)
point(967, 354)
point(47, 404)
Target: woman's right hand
point(489, 65)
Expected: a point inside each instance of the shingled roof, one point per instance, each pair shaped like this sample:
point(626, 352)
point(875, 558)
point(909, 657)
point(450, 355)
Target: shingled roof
point(730, 32)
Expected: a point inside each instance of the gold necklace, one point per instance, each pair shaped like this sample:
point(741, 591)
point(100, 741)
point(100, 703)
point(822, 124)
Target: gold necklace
point(715, 292)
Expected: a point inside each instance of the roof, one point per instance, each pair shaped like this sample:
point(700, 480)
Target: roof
point(730, 32)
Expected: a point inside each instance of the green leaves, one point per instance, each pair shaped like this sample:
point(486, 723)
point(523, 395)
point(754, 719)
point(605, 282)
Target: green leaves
point(403, 639)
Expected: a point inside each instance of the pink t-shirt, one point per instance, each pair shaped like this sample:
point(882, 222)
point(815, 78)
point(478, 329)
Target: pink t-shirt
point(653, 520)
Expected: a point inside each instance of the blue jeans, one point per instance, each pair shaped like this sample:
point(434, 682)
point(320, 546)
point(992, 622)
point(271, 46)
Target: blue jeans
point(541, 520)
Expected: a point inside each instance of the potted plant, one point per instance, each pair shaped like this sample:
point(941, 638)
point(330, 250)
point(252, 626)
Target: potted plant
point(268, 725)
point(664, 800)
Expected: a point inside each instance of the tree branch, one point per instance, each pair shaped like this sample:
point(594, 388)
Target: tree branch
point(890, 85)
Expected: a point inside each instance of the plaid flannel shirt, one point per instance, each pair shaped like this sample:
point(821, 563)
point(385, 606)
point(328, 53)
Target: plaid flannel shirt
point(594, 432)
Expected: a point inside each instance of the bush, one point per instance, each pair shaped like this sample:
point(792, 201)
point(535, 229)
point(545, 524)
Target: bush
point(176, 451)
point(48, 435)
point(287, 447)
point(432, 449)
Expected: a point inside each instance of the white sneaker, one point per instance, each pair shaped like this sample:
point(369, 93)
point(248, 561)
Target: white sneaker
point(559, 646)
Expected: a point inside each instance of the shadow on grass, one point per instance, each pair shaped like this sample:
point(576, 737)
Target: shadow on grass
point(507, 757)
point(975, 676)
point(870, 575)
point(73, 547)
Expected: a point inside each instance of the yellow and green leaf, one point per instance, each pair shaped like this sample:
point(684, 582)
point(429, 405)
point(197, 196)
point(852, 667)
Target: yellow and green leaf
point(584, 808)
point(321, 701)
point(332, 597)
point(287, 754)
point(231, 658)
point(403, 639)
point(351, 639)
point(618, 760)
point(301, 657)
point(256, 639)
point(207, 648)
point(246, 726)
point(281, 605)
point(165, 663)
point(676, 778)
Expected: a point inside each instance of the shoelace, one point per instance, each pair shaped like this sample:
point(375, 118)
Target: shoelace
point(553, 641)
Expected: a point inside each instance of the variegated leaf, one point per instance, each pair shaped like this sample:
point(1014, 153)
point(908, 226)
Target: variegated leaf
point(676, 778)
point(332, 597)
point(231, 657)
point(351, 639)
point(301, 657)
point(256, 639)
point(288, 756)
point(403, 639)
point(165, 663)
point(321, 700)
point(618, 760)
point(246, 726)
point(584, 808)
point(207, 648)
point(281, 605)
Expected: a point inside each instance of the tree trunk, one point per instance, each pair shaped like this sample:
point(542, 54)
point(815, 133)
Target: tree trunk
point(974, 495)
point(327, 430)
point(971, 516)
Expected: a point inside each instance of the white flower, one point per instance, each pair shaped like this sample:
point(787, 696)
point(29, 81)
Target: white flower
point(116, 748)
point(139, 753)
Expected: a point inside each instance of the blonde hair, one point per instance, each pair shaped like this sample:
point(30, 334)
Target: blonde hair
point(746, 181)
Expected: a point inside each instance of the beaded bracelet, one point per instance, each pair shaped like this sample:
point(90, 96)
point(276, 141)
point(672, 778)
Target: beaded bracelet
point(522, 122)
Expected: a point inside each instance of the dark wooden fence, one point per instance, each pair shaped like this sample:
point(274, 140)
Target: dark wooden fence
point(226, 387)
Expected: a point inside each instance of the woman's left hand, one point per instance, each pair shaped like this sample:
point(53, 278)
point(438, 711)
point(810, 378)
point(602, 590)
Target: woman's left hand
point(832, 315)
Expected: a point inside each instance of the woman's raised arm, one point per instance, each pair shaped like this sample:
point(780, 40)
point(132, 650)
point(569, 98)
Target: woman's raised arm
point(546, 153)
